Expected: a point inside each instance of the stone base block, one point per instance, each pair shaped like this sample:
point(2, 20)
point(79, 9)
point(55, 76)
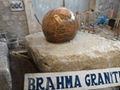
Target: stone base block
point(86, 51)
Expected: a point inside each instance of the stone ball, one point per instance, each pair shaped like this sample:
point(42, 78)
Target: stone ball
point(59, 25)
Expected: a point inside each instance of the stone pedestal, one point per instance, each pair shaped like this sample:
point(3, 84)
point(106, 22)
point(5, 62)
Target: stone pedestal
point(84, 52)
point(5, 76)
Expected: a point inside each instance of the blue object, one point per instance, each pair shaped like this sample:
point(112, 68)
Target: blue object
point(102, 20)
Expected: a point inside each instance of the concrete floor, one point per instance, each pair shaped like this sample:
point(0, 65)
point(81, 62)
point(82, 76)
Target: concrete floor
point(106, 32)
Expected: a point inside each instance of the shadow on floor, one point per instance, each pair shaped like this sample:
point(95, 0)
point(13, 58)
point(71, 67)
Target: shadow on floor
point(19, 66)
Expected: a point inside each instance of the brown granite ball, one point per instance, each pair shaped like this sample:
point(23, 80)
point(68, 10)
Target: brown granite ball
point(59, 25)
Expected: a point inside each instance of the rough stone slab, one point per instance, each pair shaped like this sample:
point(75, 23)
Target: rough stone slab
point(85, 51)
point(5, 76)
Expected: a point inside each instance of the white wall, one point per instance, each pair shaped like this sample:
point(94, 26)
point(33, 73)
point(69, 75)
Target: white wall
point(77, 5)
point(41, 7)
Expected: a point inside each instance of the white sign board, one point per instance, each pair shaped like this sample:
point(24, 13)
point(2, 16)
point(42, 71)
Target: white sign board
point(16, 6)
point(77, 80)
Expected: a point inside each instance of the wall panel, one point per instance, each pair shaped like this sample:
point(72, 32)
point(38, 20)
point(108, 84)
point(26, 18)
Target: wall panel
point(41, 7)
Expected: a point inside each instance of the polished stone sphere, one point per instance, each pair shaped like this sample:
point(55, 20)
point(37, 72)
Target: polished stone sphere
point(59, 25)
